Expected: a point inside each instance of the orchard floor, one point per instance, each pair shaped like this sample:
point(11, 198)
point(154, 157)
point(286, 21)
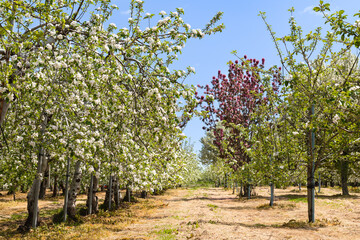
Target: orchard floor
point(203, 213)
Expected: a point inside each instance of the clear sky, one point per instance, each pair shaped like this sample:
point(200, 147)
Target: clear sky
point(244, 32)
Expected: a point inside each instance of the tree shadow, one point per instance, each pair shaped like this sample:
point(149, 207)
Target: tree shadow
point(317, 196)
point(199, 198)
point(292, 224)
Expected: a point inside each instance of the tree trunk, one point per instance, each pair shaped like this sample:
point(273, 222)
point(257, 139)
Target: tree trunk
point(33, 195)
point(310, 194)
point(31, 207)
point(55, 187)
point(143, 194)
point(63, 188)
point(95, 199)
point(44, 182)
point(344, 167)
point(4, 106)
point(311, 168)
point(74, 190)
point(111, 194)
point(271, 194)
point(246, 190)
point(241, 194)
point(128, 195)
point(117, 194)
point(332, 184)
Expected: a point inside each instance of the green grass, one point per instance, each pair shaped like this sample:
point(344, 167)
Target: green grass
point(212, 206)
point(300, 199)
point(18, 216)
point(194, 224)
point(166, 233)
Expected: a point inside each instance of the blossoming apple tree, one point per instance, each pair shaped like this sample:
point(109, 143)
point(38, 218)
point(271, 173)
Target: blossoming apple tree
point(78, 93)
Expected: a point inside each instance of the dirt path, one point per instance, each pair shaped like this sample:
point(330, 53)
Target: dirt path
point(217, 214)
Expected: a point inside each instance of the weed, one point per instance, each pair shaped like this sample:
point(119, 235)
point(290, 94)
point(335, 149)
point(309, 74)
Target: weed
point(166, 233)
point(195, 224)
point(212, 206)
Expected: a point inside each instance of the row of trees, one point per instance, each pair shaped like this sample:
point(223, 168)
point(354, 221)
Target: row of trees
point(79, 95)
point(284, 124)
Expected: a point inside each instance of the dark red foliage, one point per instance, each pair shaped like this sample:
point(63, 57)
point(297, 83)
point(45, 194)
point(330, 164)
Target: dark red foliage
point(236, 97)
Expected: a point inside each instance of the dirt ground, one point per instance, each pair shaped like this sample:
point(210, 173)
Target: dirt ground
point(215, 213)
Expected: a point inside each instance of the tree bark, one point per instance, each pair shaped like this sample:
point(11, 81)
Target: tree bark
point(63, 188)
point(95, 199)
point(344, 167)
point(55, 187)
point(271, 194)
point(44, 182)
point(244, 190)
point(128, 195)
point(114, 194)
point(311, 168)
point(310, 193)
point(74, 190)
point(4, 106)
point(117, 194)
point(31, 197)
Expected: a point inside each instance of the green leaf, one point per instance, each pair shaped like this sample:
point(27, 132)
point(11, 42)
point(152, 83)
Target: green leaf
point(316, 9)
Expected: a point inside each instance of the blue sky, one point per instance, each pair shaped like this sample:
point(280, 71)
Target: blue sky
point(245, 32)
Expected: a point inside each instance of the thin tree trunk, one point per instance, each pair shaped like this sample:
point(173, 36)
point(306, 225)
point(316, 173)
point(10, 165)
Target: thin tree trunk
point(344, 165)
point(63, 188)
point(95, 199)
point(241, 190)
point(310, 194)
point(271, 194)
point(44, 182)
point(55, 187)
point(110, 196)
point(74, 190)
point(128, 195)
point(311, 169)
point(117, 194)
